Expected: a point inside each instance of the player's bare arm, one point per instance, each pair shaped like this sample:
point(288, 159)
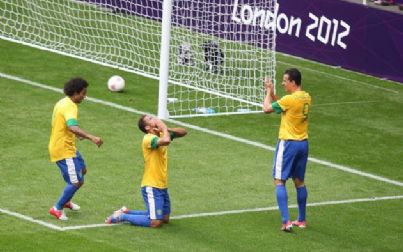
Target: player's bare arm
point(179, 132)
point(270, 96)
point(82, 134)
point(165, 139)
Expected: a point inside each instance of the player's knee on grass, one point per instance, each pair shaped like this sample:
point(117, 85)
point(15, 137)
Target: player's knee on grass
point(156, 223)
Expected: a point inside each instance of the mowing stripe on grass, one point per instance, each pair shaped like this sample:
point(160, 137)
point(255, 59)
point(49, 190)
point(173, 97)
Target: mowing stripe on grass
point(212, 132)
point(338, 76)
point(340, 103)
point(198, 215)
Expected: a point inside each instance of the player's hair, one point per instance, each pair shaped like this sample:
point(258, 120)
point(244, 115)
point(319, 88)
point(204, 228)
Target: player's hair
point(142, 124)
point(75, 85)
point(294, 75)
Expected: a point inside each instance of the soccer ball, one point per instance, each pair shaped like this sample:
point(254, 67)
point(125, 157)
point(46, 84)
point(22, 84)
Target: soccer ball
point(116, 83)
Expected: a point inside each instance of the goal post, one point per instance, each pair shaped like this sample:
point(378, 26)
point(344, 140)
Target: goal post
point(164, 60)
point(210, 57)
point(220, 52)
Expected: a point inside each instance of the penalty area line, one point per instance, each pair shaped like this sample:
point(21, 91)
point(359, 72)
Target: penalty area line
point(198, 215)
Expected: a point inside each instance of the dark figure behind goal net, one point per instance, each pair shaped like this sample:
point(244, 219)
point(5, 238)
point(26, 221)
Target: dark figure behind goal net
point(213, 56)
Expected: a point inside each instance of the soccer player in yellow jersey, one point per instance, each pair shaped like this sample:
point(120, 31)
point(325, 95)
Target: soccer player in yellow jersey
point(291, 153)
point(62, 144)
point(154, 185)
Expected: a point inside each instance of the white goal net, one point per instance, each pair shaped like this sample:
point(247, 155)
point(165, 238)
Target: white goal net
point(220, 50)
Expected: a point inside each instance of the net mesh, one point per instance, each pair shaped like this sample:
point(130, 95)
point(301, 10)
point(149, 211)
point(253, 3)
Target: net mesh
point(217, 59)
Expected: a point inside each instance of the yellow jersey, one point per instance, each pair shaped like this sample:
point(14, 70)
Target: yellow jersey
point(155, 163)
point(62, 143)
point(294, 109)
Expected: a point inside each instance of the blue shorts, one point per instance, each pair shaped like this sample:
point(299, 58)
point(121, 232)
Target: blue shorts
point(290, 159)
point(157, 202)
point(72, 168)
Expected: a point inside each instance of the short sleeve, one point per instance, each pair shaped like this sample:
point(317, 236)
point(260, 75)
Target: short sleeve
point(150, 141)
point(70, 115)
point(172, 135)
point(285, 102)
point(276, 107)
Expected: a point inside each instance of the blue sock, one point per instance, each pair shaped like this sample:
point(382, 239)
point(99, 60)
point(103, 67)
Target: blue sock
point(138, 220)
point(282, 201)
point(302, 195)
point(137, 212)
point(67, 194)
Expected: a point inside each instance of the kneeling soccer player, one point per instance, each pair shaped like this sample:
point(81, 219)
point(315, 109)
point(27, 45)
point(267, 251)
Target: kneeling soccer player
point(154, 186)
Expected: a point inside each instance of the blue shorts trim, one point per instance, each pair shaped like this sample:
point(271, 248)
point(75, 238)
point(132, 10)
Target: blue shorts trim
point(157, 202)
point(290, 159)
point(72, 168)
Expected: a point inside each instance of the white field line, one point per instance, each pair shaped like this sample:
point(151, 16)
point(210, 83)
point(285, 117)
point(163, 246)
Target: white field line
point(260, 145)
point(209, 214)
point(212, 132)
point(30, 219)
point(262, 209)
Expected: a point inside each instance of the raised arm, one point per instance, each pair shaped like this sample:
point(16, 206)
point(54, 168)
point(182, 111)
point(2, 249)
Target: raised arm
point(165, 139)
point(179, 132)
point(270, 96)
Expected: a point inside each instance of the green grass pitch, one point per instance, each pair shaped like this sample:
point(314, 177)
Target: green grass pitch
point(355, 124)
